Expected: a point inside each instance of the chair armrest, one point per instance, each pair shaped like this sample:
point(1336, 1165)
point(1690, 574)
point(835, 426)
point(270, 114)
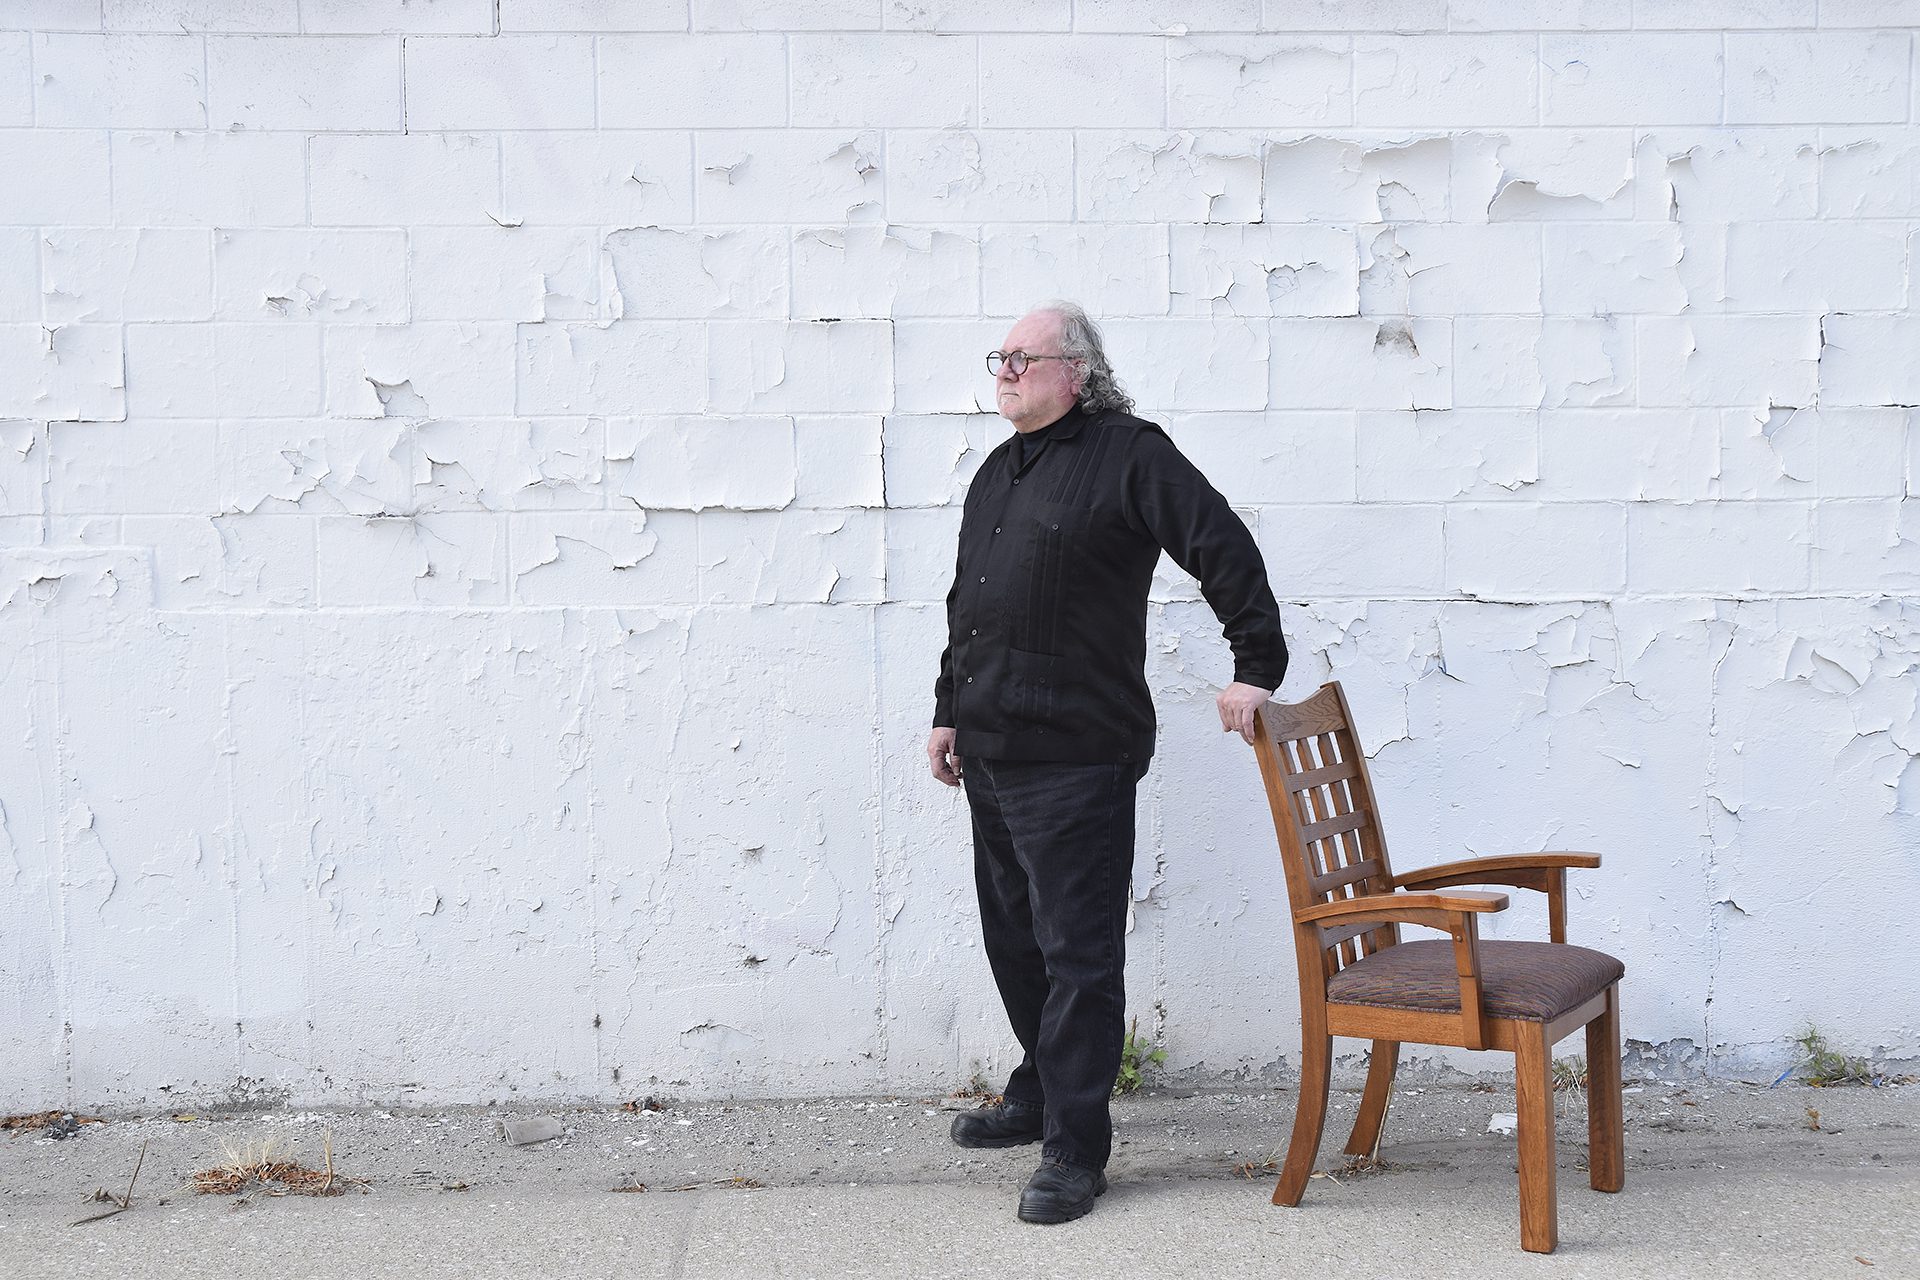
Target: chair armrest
point(1456, 913)
point(1545, 872)
point(1494, 870)
point(1408, 908)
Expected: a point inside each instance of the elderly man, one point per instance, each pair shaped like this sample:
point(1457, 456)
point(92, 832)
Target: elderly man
point(1042, 709)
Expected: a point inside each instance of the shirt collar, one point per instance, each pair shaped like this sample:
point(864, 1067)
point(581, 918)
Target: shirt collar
point(1068, 424)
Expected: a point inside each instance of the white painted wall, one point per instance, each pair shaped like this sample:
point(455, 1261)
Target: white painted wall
point(478, 480)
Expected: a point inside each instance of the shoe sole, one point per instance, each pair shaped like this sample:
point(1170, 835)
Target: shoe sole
point(1066, 1213)
point(1020, 1141)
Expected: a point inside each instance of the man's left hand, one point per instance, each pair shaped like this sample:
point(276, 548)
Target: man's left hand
point(1237, 703)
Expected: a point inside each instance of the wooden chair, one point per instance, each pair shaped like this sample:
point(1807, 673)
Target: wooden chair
point(1357, 978)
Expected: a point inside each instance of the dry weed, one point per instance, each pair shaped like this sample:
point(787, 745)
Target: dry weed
point(57, 1124)
point(277, 1174)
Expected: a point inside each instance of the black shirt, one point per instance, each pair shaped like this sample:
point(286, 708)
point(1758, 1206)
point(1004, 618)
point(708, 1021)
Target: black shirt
point(1047, 618)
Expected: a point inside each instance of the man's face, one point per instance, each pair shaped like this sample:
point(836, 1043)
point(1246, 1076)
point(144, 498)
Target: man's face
point(1048, 388)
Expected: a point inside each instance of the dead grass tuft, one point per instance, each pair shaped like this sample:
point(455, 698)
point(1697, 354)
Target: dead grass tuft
point(1570, 1074)
point(61, 1123)
point(276, 1174)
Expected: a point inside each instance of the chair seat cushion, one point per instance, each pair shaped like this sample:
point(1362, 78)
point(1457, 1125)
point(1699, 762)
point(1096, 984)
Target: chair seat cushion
point(1531, 981)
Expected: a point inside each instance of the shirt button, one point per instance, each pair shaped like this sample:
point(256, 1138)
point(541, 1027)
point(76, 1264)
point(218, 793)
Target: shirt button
point(996, 528)
point(1016, 479)
point(983, 577)
point(969, 679)
point(1056, 528)
point(974, 632)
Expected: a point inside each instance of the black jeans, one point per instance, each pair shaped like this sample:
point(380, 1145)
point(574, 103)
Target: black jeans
point(1053, 858)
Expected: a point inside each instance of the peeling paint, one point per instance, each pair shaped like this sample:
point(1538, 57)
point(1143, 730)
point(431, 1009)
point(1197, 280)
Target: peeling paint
point(521, 549)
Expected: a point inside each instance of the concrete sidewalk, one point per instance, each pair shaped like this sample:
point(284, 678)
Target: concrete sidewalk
point(1722, 1180)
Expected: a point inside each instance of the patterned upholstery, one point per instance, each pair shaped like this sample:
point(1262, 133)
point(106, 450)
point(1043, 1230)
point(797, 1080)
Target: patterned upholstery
point(1531, 981)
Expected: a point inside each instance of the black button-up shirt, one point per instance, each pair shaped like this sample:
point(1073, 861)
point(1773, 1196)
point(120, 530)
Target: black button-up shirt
point(1047, 619)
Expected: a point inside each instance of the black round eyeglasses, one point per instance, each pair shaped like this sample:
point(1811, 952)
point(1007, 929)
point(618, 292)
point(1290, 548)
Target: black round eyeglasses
point(1015, 361)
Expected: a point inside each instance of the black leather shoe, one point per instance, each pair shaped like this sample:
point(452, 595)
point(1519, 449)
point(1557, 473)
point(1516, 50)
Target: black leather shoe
point(1060, 1192)
point(1007, 1125)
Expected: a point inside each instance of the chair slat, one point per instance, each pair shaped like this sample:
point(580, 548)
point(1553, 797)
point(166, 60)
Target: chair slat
point(1341, 877)
point(1347, 845)
point(1320, 777)
point(1333, 935)
point(1332, 826)
point(1310, 806)
point(1341, 796)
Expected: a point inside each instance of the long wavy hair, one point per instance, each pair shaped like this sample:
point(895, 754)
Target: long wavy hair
point(1080, 342)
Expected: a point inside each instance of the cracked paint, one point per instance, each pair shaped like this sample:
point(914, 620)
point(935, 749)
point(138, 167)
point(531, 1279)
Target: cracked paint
point(527, 557)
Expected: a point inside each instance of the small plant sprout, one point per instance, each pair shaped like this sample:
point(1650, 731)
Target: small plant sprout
point(1569, 1074)
point(1137, 1057)
point(1569, 1083)
point(1824, 1067)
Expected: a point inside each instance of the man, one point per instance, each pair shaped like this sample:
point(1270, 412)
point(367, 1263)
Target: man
point(1042, 697)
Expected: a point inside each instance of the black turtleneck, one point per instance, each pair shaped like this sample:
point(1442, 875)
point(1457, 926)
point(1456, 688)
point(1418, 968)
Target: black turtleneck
point(1028, 443)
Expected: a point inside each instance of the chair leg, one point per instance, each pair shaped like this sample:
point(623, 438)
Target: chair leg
point(1373, 1103)
point(1533, 1089)
point(1316, 1058)
point(1606, 1125)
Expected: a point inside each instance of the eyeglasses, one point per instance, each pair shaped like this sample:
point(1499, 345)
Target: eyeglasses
point(1015, 361)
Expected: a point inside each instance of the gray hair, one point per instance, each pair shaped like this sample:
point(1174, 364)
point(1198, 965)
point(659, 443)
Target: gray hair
point(1080, 342)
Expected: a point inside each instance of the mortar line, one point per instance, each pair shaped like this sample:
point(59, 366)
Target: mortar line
point(593, 871)
point(43, 482)
point(877, 754)
point(306, 907)
point(112, 215)
point(63, 913)
point(317, 608)
point(1706, 869)
point(1860, 594)
point(1722, 71)
point(231, 843)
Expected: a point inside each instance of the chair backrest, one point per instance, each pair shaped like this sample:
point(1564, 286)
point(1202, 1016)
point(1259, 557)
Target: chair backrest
point(1329, 828)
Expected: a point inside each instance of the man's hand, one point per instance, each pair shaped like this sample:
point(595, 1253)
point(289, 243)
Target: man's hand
point(1237, 703)
point(946, 765)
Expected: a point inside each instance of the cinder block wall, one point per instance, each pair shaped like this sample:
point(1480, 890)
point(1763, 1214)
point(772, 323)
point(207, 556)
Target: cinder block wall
point(478, 481)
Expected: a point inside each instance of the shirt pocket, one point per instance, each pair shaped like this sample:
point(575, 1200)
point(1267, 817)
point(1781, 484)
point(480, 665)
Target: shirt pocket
point(1059, 543)
point(1060, 521)
point(1034, 698)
